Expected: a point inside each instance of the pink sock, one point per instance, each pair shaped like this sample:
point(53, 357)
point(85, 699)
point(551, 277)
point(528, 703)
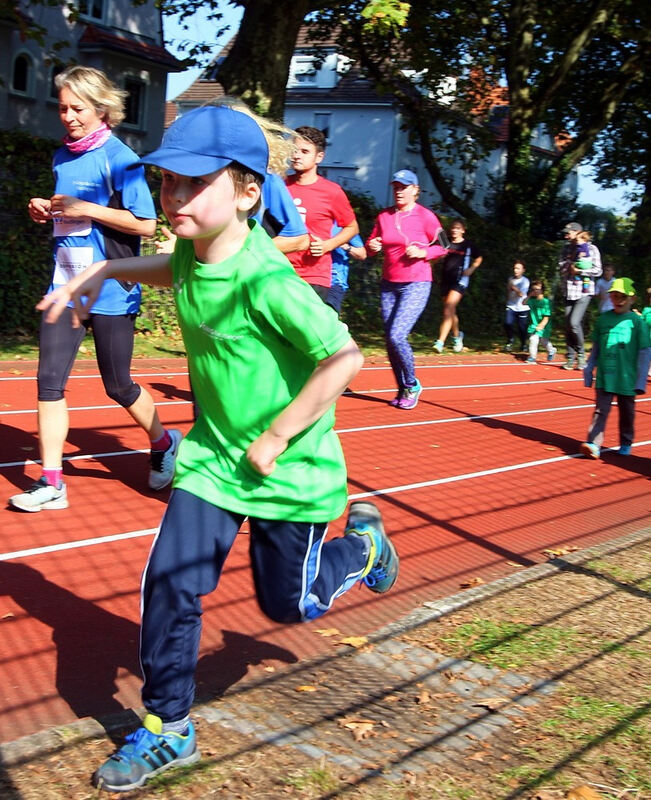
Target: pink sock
point(163, 443)
point(53, 477)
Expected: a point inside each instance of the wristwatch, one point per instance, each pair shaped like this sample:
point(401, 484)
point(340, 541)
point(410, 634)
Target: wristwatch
point(345, 246)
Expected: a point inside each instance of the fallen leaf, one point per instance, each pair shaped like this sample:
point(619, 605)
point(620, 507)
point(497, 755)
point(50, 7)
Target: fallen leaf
point(83, 349)
point(9, 615)
point(306, 688)
point(354, 641)
point(360, 728)
point(582, 793)
point(476, 581)
point(492, 703)
point(424, 697)
point(15, 372)
point(269, 669)
point(553, 552)
point(478, 756)
point(328, 632)
point(514, 564)
point(543, 794)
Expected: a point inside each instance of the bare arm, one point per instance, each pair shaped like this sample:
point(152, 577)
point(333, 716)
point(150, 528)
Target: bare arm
point(84, 288)
point(474, 266)
point(358, 253)
point(292, 244)
point(120, 219)
point(322, 388)
point(320, 246)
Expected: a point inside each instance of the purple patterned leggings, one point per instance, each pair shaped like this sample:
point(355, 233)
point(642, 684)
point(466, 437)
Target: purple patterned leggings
point(401, 305)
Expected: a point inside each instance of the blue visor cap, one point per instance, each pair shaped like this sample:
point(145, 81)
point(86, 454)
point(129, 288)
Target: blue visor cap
point(406, 177)
point(209, 138)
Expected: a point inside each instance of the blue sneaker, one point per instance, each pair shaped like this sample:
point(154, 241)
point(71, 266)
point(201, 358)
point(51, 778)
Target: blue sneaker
point(147, 752)
point(364, 519)
point(625, 450)
point(590, 449)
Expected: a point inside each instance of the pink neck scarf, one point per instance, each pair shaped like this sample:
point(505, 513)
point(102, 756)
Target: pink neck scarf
point(90, 142)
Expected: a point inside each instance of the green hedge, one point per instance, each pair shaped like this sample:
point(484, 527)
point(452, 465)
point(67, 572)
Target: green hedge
point(25, 262)
point(25, 247)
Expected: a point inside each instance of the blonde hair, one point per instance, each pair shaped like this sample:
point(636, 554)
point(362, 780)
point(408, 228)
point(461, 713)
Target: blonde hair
point(583, 236)
point(279, 137)
point(93, 86)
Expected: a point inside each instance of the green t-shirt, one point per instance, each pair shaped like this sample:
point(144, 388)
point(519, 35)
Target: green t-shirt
point(538, 308)
point(254, 332)
point(620, 338)
point(646, 315)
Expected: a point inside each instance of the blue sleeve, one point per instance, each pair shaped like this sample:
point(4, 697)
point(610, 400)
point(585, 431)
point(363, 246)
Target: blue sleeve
point(356, 241)
point(280, 204)
point(131, 184)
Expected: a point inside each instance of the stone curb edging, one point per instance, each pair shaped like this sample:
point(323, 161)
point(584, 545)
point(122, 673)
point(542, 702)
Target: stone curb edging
point(46, 742)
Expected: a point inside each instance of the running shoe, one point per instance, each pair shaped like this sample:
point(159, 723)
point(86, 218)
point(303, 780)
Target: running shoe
point(41, 496)
point(590, 449)
point(551, 353)
point(396, 400)
point(569, 364)
point(531, 360)
point(438, 346)
point(624, 450)
point(457, 343)
point(580, 363)
point(364, 519)
point(162, 462)
point(508, 347)
point(147, 752)
point(410, 395)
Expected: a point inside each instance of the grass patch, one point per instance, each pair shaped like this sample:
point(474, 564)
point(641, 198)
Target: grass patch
point(511, 645)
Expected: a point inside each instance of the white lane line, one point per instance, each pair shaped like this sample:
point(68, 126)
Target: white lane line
point(98, 376)
point(55, 548)
point(339, 431)
point(97, 408)
point(391, 490)
point(385, 368)
point(348, 394)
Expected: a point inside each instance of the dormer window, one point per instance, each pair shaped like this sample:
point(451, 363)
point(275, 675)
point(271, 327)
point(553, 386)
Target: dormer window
point(92, 9)
point(304, 71)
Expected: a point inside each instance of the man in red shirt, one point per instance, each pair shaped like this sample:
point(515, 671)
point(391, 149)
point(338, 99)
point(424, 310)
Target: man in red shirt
point(320, 203)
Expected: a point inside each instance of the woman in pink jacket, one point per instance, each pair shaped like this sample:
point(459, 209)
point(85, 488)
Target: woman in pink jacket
point(406, 233)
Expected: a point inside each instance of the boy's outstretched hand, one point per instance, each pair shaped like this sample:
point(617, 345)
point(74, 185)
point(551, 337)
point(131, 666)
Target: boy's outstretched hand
point(83, 290)
point(263, 452)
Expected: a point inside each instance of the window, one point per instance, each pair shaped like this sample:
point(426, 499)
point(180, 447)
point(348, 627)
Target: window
point(134, 105)
point(303, 71)
point(322, 122)
point(54, 93)
point(22, 75)
point(92, 9)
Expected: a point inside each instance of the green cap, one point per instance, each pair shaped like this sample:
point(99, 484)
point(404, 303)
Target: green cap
point(623, 286)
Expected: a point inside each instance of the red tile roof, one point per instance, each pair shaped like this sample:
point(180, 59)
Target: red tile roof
point(98, 38)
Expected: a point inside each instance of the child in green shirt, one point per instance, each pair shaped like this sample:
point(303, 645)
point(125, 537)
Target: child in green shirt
point(267, 360)
point(539, 322)
point(621, 352)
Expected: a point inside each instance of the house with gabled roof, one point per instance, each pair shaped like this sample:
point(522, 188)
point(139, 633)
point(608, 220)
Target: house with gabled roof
point(367, 142)
point(123, 39)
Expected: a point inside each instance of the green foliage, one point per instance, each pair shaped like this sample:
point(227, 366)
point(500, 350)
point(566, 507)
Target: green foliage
point(25, 247)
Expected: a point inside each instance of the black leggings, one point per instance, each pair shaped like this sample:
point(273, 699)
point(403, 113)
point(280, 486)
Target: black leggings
point(58, 346)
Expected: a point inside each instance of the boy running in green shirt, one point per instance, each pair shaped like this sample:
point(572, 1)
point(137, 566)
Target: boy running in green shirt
point(267, 361)
point(539, 322)
point(621, 350)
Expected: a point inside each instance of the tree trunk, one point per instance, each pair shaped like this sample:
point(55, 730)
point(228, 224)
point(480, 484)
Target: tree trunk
point(257, 67)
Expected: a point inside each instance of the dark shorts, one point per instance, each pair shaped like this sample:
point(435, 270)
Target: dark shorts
point(460, 286)
point(336, 297)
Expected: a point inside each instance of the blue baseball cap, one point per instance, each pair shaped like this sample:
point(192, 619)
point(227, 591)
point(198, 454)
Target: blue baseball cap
point(209, 138)
point(406, 177)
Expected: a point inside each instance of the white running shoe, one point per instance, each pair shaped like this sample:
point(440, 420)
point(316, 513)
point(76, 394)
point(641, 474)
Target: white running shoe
point(41, 496)
point(162, 463)
point(457, 345)
point(438, 346)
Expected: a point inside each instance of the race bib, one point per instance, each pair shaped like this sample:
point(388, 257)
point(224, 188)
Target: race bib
point(70, 261)
point(72, 227)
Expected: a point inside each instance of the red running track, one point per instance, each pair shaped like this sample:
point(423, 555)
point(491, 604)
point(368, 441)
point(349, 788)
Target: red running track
point(481, 477)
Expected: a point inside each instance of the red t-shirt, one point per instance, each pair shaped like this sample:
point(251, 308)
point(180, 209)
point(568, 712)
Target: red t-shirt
point(320, 204)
